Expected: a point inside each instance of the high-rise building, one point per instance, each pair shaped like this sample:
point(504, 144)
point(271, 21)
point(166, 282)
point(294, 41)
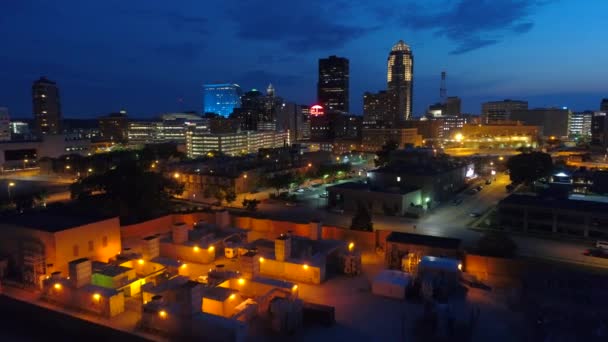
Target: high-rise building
point(452, 106)
point(47, 106)
point(599, 130)
point(221, 99)
point(257, 109)
point(5, 124)
point(580, 124)
point(400, 76)
point(376, 107)
point(19, 128)
point(114, 127)
point(554, 121)
point(333, 84)
point(496, 111)
point(604, 106)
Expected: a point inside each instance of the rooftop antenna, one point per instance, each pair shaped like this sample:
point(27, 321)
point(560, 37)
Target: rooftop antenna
point(442, 89)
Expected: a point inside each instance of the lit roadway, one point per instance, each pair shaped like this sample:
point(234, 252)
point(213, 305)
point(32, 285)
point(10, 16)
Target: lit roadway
point(446, 220)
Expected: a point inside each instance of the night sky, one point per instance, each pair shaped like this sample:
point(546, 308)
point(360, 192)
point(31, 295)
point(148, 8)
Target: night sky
point(153, 56)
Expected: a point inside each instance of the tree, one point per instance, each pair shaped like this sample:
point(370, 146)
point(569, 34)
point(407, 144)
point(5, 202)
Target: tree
point(382, 156)
point(362, 219)
point(528, 167)
point(230, 195)
point(279, 181)
point(497, 244)
point(128, 190)
point(251, 204)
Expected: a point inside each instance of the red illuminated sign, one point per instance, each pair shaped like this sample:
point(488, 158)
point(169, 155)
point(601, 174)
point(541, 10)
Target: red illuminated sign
point(317, 110)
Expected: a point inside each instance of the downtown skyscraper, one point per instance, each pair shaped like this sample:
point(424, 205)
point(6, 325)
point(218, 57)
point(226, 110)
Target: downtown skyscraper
point(400, 75)
point(46, 107)
point(333, 84)
point(221, 99)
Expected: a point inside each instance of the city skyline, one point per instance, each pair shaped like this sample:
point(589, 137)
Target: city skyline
point(168, 54)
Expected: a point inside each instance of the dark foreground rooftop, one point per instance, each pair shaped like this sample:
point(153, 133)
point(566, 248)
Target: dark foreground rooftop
point(426, 240)
point(20, 321)
point(52, 220)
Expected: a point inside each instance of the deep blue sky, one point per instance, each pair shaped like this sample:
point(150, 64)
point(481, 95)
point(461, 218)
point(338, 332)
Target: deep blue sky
point(145, 55)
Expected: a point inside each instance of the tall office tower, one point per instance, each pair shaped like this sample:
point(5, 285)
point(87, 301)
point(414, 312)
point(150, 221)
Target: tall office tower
point(579, 124)
point(376, 108)
point(400, 76)
point(114, 127)
point(333, 84)
point(258, 110)
point(5, 125)
point(47, 107)
point(496, 111)
point(221, 99)
point(599, 130)
point(250, 111)
point(604, 106)
point(452, 106)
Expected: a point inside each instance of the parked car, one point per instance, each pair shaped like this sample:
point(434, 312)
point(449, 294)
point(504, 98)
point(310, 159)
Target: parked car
point(323, 195)
point(475, 214)
point(300, 190)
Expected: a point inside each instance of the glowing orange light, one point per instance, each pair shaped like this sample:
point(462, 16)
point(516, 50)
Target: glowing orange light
point(57, 286)
point(210, 249)
point(97, 297)
point(196, 249)
point(295, 287)
point(261, 259)
point(305, 266)
point(351, 246)
point(184, 266)
point(241, 281)
point(232, 296)
point(140, 261)
point(162, 314)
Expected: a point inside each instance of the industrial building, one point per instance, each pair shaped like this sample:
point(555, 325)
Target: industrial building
point(563, 216)
point(383, 201)
point(40, 243)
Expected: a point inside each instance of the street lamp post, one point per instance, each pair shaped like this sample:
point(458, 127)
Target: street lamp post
point(8, 190)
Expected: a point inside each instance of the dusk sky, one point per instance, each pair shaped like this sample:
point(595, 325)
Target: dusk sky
point(146, 55)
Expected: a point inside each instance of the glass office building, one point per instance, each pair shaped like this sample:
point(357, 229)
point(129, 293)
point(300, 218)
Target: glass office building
point(221, 98)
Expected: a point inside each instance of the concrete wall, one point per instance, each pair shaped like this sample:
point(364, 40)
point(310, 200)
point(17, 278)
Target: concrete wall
point(493, 270)
point(81, 299)
point(67, 240)
point(293, 272)
point(187, 253)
